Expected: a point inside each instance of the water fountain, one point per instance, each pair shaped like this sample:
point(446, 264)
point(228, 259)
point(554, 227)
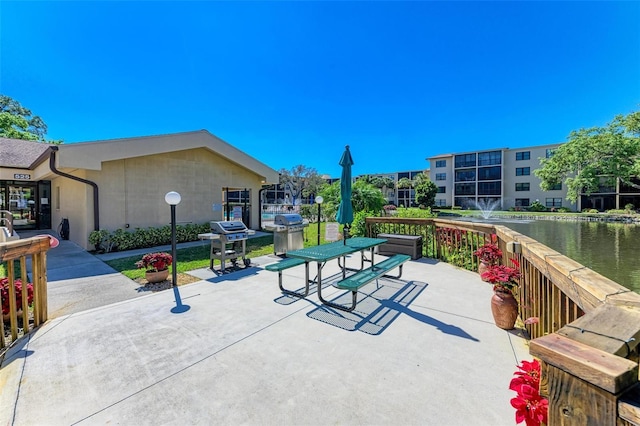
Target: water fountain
point(486, 207)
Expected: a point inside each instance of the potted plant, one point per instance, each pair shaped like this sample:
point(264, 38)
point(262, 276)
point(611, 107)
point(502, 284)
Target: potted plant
point(4, 294)
point(156, 266)
point(503, 303)
point(489, 254)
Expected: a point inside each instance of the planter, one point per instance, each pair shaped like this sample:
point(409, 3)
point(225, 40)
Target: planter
point(483, 267)
point(7, 317)
point(505, 309)
point(156, 277)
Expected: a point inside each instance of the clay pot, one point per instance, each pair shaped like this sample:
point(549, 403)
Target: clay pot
point(483, 267)
point(156, 277)
point(504, 308)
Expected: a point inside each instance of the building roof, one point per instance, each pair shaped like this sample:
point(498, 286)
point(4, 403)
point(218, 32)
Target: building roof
point(21, 154)
point(91, 155)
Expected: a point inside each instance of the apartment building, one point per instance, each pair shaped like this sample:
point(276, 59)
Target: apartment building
point(501, 176)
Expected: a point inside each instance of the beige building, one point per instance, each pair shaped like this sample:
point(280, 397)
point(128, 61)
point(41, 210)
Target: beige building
point(503, 177)
point(121, 183)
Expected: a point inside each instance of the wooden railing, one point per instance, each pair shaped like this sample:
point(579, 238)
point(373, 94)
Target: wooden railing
point(22, 317)
point(585, 327)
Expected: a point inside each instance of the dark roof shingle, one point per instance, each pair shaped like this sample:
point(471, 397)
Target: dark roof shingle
point(20, 153)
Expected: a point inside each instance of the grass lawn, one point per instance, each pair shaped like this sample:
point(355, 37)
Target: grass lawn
point(198, 257)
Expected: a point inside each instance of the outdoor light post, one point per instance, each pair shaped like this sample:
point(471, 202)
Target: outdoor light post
point(173, 199)
point(319, 201)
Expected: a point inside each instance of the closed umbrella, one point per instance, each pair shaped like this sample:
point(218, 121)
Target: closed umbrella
point(345, 209)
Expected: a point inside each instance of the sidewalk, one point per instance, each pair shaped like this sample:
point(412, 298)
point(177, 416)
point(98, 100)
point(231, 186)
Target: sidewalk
point(234, 350)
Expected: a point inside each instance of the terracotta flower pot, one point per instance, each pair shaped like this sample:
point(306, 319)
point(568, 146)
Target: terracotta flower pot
point(483, 267)
point(505, 309)
point(156, 277)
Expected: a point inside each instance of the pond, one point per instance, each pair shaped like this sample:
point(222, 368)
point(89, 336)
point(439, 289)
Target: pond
point(610, 249)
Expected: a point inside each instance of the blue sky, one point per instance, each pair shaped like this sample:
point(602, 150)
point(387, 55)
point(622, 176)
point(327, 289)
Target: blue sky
point(293, 82)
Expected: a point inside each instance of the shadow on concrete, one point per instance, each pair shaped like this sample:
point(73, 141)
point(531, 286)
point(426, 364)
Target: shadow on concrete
point(375, 311)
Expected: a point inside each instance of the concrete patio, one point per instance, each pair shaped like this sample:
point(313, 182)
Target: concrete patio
point(232, 349)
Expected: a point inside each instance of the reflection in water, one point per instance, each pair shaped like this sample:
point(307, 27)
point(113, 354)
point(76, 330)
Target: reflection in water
point(608, 248)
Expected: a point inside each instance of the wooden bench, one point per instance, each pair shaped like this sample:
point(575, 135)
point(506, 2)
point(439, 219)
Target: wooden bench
point(287, 263)
point(364, 277)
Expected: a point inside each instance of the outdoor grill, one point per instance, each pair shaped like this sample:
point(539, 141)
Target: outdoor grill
point(287, 232)
point(228, 242)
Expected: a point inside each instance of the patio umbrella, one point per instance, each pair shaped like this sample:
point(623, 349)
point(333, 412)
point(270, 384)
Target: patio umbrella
point(345, 209)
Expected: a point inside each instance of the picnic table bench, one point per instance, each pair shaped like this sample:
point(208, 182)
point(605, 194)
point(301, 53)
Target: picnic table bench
point(287, 263)
point(364, 277)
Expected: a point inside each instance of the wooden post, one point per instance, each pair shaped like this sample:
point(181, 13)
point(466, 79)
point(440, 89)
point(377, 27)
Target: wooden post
point(584, 383)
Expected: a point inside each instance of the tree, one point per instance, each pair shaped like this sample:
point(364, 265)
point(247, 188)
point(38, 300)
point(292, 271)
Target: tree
point(364, 197)
point(594, 157)
point(18, 122)
point(425, 190)
point(301, 181)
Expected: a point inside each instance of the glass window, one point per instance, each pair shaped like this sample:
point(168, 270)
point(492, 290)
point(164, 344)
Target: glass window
point(441, 176)
point(465, 189)
point(441, 202)
point(403, 175)
point(441, 163)
point(523, 171)
point(553, 202)
point(442, 189)
point(524, 186)
point(465, 160)
point(489, 158)
point(522, 202)
point(549, 152)
point(465, 201)
point(523, 155)
point(465, 175)
point(556, 187)
point(490, 173)
point(488, 188)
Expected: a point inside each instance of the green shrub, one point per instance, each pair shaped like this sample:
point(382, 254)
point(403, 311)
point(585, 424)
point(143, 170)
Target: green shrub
point(358, 226)
point(564, 209)
point(414, 212)
point(590, 211)
point(536, 206)
point(629, 206)
point(120, 239)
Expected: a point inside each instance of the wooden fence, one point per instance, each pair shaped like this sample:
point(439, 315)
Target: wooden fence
point(585, 328)
point(23, 318)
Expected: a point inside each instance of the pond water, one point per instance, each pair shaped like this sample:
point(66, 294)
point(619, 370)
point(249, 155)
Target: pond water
point(611, 249)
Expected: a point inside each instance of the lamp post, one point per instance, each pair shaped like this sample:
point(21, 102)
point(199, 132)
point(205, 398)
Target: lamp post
point(319, 201)
point(173, 199)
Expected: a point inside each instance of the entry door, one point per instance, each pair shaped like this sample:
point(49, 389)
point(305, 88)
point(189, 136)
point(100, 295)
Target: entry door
point(21, 202)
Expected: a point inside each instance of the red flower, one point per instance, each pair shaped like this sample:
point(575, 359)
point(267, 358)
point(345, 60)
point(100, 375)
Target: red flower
point(529, 374)
point(4, 294)
point(154, 262)
point(489, 253)
point(530, 406)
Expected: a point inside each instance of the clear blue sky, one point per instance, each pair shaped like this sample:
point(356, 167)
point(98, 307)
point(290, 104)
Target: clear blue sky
point(293, 82)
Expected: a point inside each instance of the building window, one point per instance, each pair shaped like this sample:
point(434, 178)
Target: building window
point(441, 202)
point(441, 176)
point(490, 173)
point(57, 198)
point(465, 189)
point(523, 186)
point(553, 202)
point(441, 163)
point(523, 155)
point(489, 158)
point(549, 152)
point(522, 202)
point(488, 188)
point(442, 190)
point(556, 187)
point(523, 171)
point(465, 160)
point(465, 175)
